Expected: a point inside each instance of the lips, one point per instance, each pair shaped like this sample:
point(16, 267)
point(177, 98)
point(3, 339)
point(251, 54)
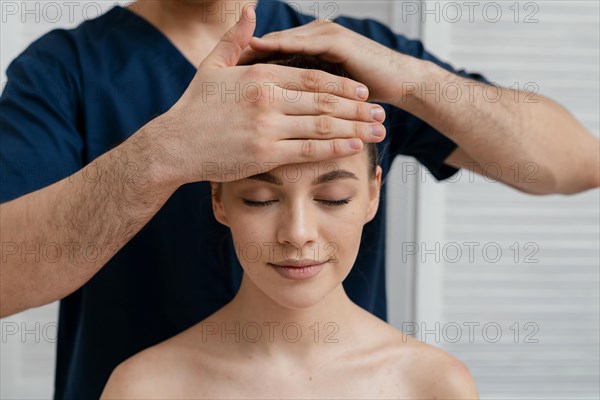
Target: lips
point(299, 270)
point(298, 264)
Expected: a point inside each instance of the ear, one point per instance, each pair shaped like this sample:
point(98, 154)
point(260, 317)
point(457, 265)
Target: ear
point(217, 205)
point(374, 192)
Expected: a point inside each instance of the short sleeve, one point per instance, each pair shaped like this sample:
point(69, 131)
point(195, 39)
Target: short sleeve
point(409, 135)
point(39, 140)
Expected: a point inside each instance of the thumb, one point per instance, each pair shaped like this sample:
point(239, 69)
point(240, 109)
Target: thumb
point(228, 50)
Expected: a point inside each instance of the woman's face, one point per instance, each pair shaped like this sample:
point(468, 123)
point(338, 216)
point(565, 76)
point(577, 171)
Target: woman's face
point(297, 215)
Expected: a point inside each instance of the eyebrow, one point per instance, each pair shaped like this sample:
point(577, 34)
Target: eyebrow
point(325, 178)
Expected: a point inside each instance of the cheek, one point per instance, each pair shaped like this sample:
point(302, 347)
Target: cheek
point(249, 231)
point(342, 232)
point(252, 234)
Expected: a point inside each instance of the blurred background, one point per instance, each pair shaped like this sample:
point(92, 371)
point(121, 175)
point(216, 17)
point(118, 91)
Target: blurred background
point(507, 282)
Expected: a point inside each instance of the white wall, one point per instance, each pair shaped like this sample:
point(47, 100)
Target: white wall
point(531, 290)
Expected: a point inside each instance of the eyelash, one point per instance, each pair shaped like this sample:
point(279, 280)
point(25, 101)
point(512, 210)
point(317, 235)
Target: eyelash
point(333, 203)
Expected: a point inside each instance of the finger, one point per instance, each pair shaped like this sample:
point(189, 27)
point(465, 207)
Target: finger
point(306, 103)
point(261, 47)
point(318, 26)
point(228, 50)
point(250, 56)
point(285, 43)
point(326, 127)
point(296, 43)
point(312, 80)
point(300, 151)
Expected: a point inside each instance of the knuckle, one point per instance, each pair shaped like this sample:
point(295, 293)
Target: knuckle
point(361, 111)
point(251, 93)
point(228, 37)
point(263, 101)
point(255, 72)
point(358, 129)
point(269, 72)
point(324, 106)
point(309, 148)
point(335, 149)
point(263, 123)
point(258, 148)
point(344, 85)
point(324, 124)
point(311, 78)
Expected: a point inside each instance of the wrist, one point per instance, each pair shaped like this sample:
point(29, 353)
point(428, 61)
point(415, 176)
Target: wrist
point(152, 148)
point(421, 87)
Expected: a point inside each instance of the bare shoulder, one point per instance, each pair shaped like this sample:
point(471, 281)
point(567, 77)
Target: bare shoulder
point(134, 377)
point(449, 378)
point(141, 376)
point(410, 368)
point(435, 372)
point(150, 374)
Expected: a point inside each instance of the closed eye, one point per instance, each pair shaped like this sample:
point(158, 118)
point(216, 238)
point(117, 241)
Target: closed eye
point(334, 202)
point(258, 203)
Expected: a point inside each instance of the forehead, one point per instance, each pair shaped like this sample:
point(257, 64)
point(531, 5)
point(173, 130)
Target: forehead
point(308, 173)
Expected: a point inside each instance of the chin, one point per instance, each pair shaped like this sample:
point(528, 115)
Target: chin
point(297, 294)
point(304, 295)
point(299, 301)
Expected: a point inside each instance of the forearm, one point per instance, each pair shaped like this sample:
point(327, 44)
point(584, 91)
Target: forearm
point(56, 238)
point(533, 143)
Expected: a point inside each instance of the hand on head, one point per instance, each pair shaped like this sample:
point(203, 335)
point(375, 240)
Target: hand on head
point(262, 115)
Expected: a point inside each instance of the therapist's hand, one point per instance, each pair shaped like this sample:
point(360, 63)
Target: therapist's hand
point(235, 121)
point(382, 69)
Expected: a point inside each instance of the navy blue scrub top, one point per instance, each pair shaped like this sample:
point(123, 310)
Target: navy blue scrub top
point(74, 94)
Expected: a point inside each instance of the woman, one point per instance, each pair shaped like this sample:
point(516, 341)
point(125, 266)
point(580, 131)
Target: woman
point(291, 331)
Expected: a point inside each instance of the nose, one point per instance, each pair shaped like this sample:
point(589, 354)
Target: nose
point(297, 226)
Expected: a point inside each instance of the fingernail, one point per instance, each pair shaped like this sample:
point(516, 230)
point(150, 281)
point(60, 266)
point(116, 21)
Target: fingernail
point(355, 144)
point(377, 113)
point(362, 92)
point(377, 130)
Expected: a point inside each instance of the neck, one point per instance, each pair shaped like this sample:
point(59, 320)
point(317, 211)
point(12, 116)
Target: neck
point(194, 27)
point(184, 14)
point(298, 336)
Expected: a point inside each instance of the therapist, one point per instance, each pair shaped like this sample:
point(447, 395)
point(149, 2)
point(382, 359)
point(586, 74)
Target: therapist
point(110, 132)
